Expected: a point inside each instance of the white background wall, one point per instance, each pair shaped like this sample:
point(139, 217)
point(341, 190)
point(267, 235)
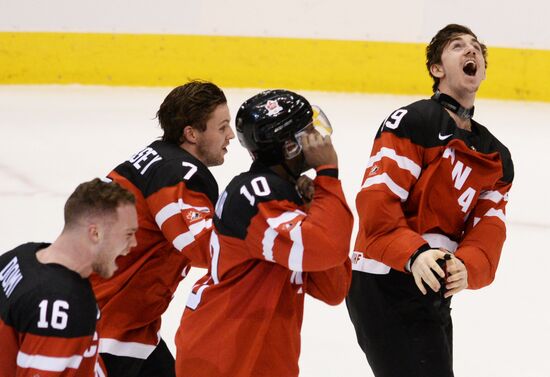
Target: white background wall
point(496, 22)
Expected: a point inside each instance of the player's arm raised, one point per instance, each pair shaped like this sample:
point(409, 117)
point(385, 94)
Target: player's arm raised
point(313, 240)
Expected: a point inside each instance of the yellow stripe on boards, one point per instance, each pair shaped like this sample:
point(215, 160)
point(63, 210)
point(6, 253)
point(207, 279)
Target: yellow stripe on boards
point(244, 62)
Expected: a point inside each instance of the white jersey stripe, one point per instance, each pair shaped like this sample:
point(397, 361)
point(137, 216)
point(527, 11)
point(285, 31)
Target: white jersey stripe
point(271, 233)
point(493, 196)
point(199, 226)
point(496, 213)
point(296, 256)
point(173, 209)
point(215, 249)
point(187, 238)
point(267, 244)
point(48, 363)
point(184, 239)
point(296, 278)
point(386, 180)
point(361, 263)
point(194, 299)
point(98, 371)
point(436, 241)
point(402, 161)
point(127, 349)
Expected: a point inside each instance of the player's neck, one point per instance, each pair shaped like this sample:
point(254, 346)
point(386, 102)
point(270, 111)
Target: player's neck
point(67, 252)
point(193, 151)
point(464, 98)
point(460, 108)
point(283, 172)
point(465, 124)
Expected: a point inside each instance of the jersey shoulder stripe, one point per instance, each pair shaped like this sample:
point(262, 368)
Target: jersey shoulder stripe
point(162, 164)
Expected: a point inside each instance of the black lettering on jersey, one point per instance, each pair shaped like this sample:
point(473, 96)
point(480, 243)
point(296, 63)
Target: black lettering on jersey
point(10, 276)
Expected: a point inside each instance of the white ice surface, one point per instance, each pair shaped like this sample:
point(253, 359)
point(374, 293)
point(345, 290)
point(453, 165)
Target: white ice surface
point(54, 137)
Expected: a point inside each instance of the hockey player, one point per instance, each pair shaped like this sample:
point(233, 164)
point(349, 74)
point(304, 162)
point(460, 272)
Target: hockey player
point(272, 244)
point(48, 311)
point(432, 216)
point(175, 195)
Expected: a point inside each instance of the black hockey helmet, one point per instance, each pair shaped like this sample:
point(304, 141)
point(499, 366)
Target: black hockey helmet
point(266, 121)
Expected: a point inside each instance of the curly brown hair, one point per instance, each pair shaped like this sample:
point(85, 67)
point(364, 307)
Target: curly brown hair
point(434, 50)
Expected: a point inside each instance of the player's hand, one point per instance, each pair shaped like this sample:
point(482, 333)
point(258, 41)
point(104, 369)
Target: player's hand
point(457, 277)
point(306, 188)
point(318, 150)
point(425, 268)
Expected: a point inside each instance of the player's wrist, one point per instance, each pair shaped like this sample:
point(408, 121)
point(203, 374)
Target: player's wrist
point(330, 170)
point(415, 255)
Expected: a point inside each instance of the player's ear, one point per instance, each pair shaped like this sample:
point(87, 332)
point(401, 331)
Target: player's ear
point(189, 135)
point(93, 233)
point(437, 70)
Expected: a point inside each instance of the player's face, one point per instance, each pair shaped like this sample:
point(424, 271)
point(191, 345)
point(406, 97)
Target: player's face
point(212, 143)
point(119, 238)
point(462, 67)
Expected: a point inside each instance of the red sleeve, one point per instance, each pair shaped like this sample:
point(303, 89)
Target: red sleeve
point(10, 346)
point(484, 236)
point(185, 219)
point(392, 170)
point(314, 241)
point(330, 286)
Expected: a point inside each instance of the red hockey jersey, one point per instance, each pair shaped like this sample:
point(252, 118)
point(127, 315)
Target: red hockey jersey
point(48, 317)
point(174, 194)
point(429, 182)
point(244, 317)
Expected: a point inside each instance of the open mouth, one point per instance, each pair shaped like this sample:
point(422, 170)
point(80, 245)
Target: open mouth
point(470, 68)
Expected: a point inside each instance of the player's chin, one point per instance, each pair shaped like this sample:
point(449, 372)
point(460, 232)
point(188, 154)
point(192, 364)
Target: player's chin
point(107, 273)
point(219, 160)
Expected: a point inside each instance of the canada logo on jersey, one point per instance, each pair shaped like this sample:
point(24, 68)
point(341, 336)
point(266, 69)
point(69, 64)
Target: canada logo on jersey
point(193, 216)
point(374, 169)
point(273, 108)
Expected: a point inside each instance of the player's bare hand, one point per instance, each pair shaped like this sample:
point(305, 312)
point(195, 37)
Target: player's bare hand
point(306, 188)
point(457, 277)
point(318, 150)
point(425, 268)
